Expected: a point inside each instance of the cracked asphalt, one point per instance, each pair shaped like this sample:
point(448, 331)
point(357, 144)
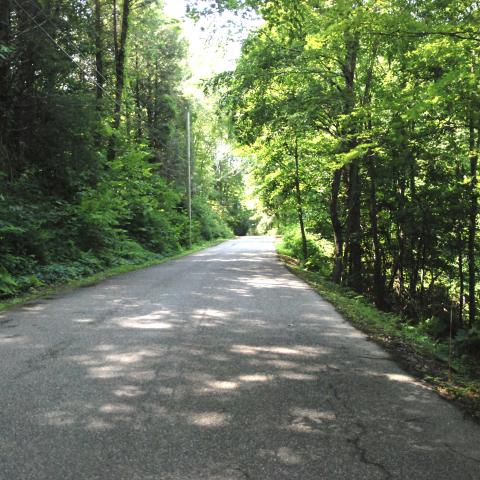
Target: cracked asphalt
point(222, 366)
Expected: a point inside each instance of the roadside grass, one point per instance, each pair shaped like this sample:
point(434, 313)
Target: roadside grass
point(62, 287)
point(418, 353)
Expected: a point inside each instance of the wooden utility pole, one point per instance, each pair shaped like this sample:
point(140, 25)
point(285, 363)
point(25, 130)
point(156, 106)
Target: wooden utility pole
point(189, 179)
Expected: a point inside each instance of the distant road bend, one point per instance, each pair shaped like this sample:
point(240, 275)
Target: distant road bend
point(218, 366)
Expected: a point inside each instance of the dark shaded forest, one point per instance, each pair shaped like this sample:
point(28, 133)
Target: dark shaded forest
point(93, 143)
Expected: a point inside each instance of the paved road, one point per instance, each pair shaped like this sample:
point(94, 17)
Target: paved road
point(218, 366)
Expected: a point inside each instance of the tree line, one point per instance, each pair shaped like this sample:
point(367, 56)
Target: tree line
point(93, 169)
point(364, 120)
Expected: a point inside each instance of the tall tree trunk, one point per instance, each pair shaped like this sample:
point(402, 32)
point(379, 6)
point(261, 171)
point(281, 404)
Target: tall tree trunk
point(138, 107)
point(401, 237)
point(353, 236)
point(378, 279)
point(460, 244)
point(414, 242)
point(4, 85)
point(461, 282)
point(378, 276)
point(115, 28)
point(423, 264)
point(354, 227)
point(99, 52)
point(120, 46)
point(156, 140)
point(4, 40)
point(337, 225)
point(298, 194)
point(99, 75)
point(472, 220)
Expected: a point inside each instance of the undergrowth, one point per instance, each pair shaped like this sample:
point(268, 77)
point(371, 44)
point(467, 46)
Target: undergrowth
point(124, 265)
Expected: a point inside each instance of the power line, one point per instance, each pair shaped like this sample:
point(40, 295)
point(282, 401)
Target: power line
point(47, 19)
point(72, 59)
point(69, 56)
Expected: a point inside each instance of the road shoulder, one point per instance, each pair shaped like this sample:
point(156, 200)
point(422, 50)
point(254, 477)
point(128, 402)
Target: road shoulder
point(460, 385)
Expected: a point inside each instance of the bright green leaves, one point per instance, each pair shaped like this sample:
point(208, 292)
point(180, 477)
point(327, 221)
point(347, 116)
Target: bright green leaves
point(380, 102)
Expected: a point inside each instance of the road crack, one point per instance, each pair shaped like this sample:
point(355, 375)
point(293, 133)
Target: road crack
point(461, 454)
point(363, 453)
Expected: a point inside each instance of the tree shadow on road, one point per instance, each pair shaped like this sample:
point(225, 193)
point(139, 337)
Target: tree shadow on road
point(250, 377)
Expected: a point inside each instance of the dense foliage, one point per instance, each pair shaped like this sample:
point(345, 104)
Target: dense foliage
point(364, 121)
point(92, 142)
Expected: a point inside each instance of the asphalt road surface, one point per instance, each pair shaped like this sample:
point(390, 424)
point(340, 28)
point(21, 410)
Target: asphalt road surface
point(222, 366)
